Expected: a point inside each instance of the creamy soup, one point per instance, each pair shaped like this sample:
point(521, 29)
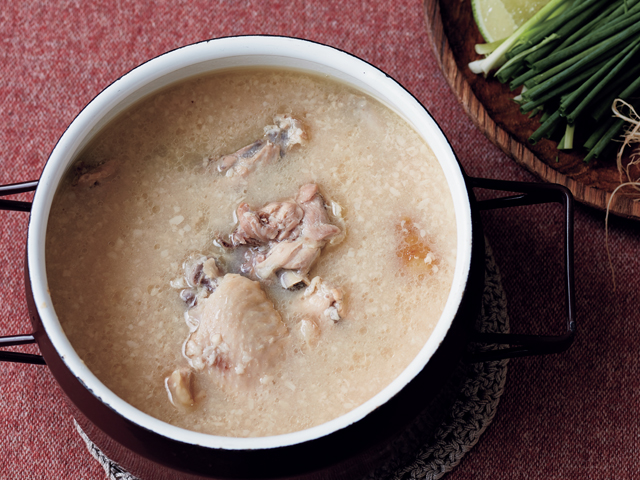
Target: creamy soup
point(173, 265)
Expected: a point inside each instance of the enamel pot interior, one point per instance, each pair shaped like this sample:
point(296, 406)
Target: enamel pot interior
point(136, 429)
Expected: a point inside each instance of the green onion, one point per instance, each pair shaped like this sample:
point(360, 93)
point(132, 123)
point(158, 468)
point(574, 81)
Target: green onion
point(603, 102)
point(509, 67)
point(552, 72)
point(497, 57)
point(547, 128)
point(597, 134)
point(573, 59)
point(612, 35)
point(532, 103)
point(548, 28)
point(588, 27)
point(615, 129)
point(567, 140)
point(565, 31)
point(487, 48)
point(604, 76)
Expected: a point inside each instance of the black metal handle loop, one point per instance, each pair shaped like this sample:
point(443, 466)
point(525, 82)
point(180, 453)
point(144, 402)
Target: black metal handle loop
point(18, 357)
point(18, 339)
point(14, 189)
point(531, 194)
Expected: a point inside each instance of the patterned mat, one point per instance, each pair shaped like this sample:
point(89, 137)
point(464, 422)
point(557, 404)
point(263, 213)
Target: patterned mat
point(451, 425)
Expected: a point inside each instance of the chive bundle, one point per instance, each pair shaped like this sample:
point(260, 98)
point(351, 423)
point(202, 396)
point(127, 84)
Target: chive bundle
point(572, 60)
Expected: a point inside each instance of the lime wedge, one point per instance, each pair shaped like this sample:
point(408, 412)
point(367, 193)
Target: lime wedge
point(497, 19)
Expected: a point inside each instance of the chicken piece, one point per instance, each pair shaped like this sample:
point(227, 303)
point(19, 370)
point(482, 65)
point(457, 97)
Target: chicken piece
point(201, 271)
point(201, 276)
point(286, 132)
point(316, 225)
point(298, 255)
point(244, 160)
point(320, 306)
point(315, 230)
point(275, 221)
point(179, 387)
point(294, 232)
point(89, 177)
point(277, 141)
point(307, 193)
point(210, 269)
point(239, 332)
point(322, 301)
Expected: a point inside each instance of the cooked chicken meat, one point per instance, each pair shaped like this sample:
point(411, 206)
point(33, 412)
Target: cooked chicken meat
point(287, 236)
point(278, 139)
point(315, 224)
point(236, 332)
point(201, 277)
point(275, 221)
point(297, 255)
point(320, 306)
point(239, 332)
point(179, 387)
point(321, 301)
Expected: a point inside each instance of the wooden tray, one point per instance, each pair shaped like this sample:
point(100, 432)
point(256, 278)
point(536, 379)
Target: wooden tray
point(453, 34)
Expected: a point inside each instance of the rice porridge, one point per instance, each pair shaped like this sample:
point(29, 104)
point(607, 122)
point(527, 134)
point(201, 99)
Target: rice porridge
point(251, 253)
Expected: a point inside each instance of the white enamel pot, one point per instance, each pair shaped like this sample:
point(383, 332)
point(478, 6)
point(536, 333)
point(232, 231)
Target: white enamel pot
point(345, 447)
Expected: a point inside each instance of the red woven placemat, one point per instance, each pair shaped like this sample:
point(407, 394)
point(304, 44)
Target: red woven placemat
point(566, 416)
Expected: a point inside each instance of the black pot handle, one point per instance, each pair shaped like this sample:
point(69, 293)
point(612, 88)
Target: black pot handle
point(531, 194)
point(14, 340)
point(14, 189)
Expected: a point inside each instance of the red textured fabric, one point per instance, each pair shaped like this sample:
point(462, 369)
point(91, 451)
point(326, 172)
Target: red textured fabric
point(569, 416)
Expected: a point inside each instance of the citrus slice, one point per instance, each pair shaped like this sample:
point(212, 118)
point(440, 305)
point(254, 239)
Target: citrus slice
point(497, 19)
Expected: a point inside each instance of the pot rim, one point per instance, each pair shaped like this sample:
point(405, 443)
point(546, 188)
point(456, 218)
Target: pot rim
point(230, 52)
